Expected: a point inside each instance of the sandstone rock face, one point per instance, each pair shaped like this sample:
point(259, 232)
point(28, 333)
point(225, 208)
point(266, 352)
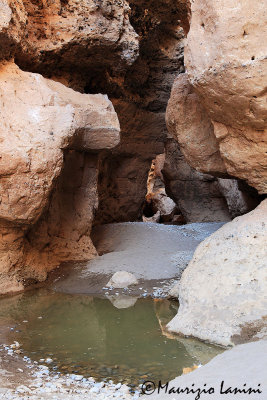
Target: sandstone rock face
point(96, 32)
point(39, 119)
point(63, 231)
point(188, 122)
point(140, 97)
point(203, 197)
point(225, 58)
point(122, 279)
point(222, 292)
point(158, 206)
point(48, 118)
point(197, 195)
point(239, 197)
point(124, 171)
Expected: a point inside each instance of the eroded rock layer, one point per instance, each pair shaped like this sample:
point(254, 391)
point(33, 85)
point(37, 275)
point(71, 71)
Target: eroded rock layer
point(39, 119)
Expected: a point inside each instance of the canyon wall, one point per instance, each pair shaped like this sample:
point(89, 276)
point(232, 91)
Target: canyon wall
point(71, 157)
point(40, 120)
point(223, 93)
point(218, 114)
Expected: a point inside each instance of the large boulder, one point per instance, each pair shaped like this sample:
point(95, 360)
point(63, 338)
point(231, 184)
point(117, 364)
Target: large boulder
point(189, 123)
point(222, 292)
point(40, 119)
point(225, 58)
point(64, 35)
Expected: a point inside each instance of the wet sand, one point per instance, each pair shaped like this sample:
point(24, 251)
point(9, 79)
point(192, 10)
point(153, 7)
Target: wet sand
point(156, 254)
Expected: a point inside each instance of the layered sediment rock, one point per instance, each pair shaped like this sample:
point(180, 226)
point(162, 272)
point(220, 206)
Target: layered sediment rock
point(222, 292)
point(39, 119)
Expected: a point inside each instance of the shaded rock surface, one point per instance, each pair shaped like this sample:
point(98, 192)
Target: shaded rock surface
point(189, 122)
point(53, 37)
point(49, 118)
point(222, 292)
point(203, 197)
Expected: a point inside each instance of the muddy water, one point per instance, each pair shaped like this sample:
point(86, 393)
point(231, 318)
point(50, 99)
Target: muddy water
point(92, 337)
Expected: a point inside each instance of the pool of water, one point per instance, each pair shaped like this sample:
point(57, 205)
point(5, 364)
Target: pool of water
point(100, 337)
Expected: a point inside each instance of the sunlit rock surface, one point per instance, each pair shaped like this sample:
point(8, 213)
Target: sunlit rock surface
point(222, 292)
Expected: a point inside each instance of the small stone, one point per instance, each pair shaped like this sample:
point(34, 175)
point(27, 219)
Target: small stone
point(23, 389)
point(122, 279)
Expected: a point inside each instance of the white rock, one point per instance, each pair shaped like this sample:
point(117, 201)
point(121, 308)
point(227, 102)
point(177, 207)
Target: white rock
point(174, 291)
point(122, 279)
point(224, 287)
point(23, 389)
point(118, 386)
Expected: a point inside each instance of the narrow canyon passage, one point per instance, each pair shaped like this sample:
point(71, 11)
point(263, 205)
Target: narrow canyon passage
point(132, 196)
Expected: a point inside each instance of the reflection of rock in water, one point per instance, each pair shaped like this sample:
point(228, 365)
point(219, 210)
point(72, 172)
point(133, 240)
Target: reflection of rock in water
point(201, 352)
point(122, 301)
point(164, 311)
point(98, 337)
point(188, 370)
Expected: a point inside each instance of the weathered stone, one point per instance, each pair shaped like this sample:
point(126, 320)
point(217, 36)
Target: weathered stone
point(155, 218)
point(48, 118)
point(222, 293)
point(240, 199)
point(228, 70)
point(124, 170)
point(122, 279)
point(165, 205)
point(174, 291)
point(198, 196)
point(188, 122)
point(78, 34)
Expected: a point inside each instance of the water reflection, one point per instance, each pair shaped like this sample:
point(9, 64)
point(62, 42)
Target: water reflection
point(90, 336)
